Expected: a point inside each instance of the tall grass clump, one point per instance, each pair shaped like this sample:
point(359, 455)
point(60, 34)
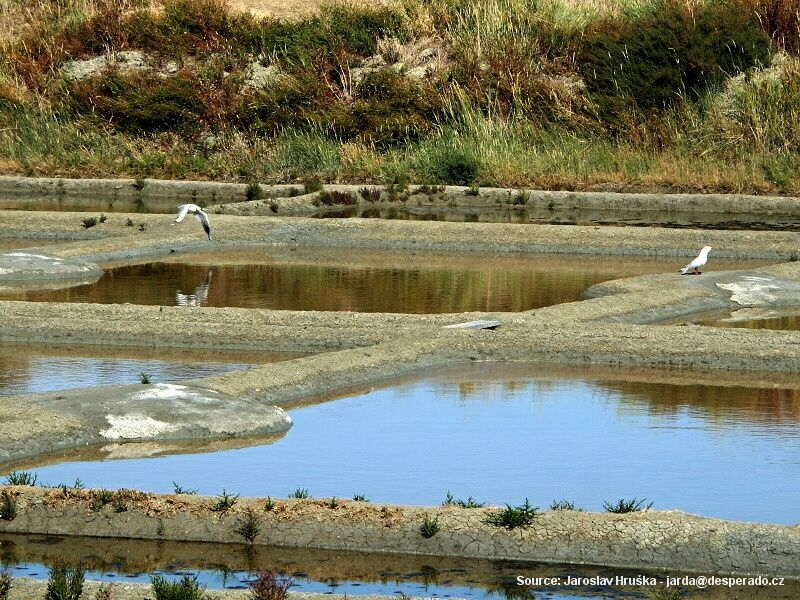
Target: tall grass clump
point(65, 583)
point(762, 111)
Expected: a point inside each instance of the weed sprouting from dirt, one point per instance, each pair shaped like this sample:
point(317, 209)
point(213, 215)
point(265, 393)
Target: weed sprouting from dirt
point(626, 506)
point(224, 502)
point(65, 582)
point(429, 527)
point(180, 490)
point(470, 502)
point(21, 478)
point(563, 505)
point(248, 525)
point(300, 493)
point(512, 517)
point(89, 222)
point(105, 592)
point(268, 586)
point(185, 589)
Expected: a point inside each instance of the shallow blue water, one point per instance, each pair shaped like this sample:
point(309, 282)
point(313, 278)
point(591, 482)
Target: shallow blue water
point(30, 368)
point(701, 449)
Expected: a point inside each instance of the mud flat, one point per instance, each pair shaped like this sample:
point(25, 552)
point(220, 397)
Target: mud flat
point(615, 327)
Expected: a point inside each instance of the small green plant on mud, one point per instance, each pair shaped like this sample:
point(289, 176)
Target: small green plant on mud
point(269, 504)
point(332, 503)
point(626, 506)
point(563, 505)
point(248, 526)
point(370, 194)
point(65, 583)
point(102, 218)
point(180, 490)
point(521, 198)
point(21, 478)
point(512, 517)
point(224, 502)
point(139, 184)
point(450, 500)
point(360, 498)
point(5, 584)
point(105, 592)
point(8, 506)
point(129, 222)
point(253, 191)
point(119, 503)
point(144, 378)
point(429, 527)
point(473, 190)
point(268, 586)
point(312, 185)
point(89, 222)
point(185, 589)
point(101, 498)
point(300, 493)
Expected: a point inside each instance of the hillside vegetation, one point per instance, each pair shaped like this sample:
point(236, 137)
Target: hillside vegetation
point(674, 95)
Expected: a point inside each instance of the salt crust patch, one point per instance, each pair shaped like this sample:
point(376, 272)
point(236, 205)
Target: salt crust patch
point(135, 426)
point(752, 291)
point(24, 254)
point(163, 391)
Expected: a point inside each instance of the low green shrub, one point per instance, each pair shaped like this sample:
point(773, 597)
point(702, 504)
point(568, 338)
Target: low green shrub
point(429, 527)
point(512, 517)
point(65, 583)
point(185, 589)
point(626, 506)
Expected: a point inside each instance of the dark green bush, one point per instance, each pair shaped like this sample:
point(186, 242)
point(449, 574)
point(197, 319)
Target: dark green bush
point(139, 102)
point(454, 166)
point(669, 54)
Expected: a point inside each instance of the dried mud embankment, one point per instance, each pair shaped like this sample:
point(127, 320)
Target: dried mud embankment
point(646, 540)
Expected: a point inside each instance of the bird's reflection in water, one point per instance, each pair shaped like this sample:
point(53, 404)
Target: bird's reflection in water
point(200, 295)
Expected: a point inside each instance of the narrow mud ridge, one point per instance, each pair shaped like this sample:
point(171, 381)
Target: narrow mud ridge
point(650, 539)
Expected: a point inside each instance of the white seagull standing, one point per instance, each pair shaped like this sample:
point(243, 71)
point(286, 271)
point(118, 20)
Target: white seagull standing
point(693, 268)
point(201, 216)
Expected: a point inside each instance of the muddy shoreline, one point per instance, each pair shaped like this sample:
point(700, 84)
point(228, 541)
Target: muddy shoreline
point(353, 350)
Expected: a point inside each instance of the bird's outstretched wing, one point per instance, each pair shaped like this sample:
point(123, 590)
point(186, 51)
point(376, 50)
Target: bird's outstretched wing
point(183, 210)
point(203, 218)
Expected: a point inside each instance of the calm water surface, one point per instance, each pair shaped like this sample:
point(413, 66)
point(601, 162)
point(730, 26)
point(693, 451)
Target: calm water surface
point(369, 282)
point(503, 438)
point(353, 573)
point(30, 368)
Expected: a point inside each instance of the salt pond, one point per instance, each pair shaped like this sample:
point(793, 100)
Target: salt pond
point(501, 435)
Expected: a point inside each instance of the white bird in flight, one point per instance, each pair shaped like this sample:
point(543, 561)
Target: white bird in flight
point(198, 212)
point(693, 268)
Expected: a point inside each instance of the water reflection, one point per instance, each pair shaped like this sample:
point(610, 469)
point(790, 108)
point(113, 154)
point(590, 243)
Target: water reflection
point(323, 571)
point(30, 368)
point(200, 295)
point(363, 282)
point(501, 438)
